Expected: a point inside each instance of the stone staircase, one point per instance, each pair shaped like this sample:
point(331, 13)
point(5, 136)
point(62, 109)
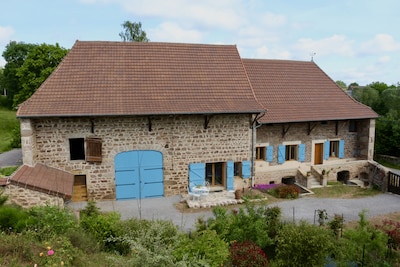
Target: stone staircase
point(314, 182)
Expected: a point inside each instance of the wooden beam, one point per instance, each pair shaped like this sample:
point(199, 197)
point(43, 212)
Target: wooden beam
point(207, 119)
point(337, 127)
point(285, 129)
point(149, 123)
point(311, 127)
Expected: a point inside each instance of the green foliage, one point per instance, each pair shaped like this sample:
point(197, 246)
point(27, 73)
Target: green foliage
point(3, 198)
point(49, 221)
point(303, 245)
point(133, 32)
point(13, 219)
point(204, 244)
point(9, 123)
point(336, 224)
point(105, 227)
point(151, 243)
point(15, 55)
point(364, 244)
point(342, 85)
point(7, 171)
point(247, 254)
point(38, 65)
point(252, 223)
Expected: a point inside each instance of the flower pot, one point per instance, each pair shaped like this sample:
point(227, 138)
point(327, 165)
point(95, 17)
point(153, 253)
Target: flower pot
point(238, 194)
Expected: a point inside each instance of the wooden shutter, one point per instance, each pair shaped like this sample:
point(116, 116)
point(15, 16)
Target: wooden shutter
point(246, 169)
point(326, 150)
point(229, 176)
point(270, 156)
point(197, 173)
point(281, 154)
point(93, 149)
point(341, 149)
point(302, 153)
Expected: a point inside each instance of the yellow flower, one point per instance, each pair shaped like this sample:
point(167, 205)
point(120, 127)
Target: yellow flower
point(41, 254)
point(62, 263)
point(48, 248)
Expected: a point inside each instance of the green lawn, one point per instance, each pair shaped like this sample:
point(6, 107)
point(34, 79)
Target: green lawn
point(8, 122)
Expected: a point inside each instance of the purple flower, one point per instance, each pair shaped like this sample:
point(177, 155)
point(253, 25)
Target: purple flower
point(50, 252)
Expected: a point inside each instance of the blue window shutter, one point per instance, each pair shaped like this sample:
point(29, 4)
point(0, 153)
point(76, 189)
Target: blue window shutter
point(302, 153)
point(281, 154)
point(341, 149)
point(270, 153)
point(326, 150)
point(246, 169)
point(197, 173)
point(229, 176)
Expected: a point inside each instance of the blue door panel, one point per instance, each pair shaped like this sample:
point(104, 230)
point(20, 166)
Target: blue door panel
point(127, 191)
point(139, 174)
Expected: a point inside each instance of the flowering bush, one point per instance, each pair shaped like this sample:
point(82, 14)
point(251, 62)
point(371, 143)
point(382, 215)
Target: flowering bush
point(247, 254)
point(392, 230)
point(265, 187)
point(286, 191)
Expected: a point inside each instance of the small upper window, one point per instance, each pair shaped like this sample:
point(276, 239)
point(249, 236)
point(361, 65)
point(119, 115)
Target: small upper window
point(353, 126)
point(77, 148)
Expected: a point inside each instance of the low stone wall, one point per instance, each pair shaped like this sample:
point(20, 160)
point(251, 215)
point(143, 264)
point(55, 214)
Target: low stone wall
point(28, 198)
point(389, 159)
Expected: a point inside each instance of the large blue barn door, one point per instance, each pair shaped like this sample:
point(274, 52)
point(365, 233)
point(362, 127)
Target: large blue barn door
point(139, 174)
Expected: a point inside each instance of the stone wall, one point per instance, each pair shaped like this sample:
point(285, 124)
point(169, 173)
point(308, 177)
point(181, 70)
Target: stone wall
point(181, 139)
point(28, 198)
point(358, 146)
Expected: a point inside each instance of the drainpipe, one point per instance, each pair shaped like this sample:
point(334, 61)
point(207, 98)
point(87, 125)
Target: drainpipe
point(254, 127)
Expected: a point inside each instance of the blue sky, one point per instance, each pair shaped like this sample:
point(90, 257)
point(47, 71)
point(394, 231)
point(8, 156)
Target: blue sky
point(351, 40)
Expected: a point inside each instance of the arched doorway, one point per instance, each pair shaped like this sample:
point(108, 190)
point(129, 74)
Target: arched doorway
point(139, 174)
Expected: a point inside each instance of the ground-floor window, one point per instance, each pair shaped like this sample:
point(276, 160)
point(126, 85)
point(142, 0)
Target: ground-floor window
point(237, 169)
point(215, 173)
point(291, 152)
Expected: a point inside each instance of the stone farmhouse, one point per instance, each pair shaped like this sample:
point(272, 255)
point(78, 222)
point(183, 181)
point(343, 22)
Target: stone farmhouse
point(137, 120)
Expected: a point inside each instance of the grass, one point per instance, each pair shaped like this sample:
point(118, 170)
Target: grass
point(339, 190)
point(8, 122)
point(7, 171)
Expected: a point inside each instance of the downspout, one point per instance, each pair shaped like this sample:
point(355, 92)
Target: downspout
point(255, 125)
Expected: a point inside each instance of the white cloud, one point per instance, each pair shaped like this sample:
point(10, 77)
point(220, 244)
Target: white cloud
point(172, 32)
point(334, 45)
point(380, 43)
point(273, 20)
point(5, 34)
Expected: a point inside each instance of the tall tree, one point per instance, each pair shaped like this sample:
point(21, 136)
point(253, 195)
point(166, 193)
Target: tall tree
point(341, 84)
point(38, 65)
point(15, 55)
point(133, 32)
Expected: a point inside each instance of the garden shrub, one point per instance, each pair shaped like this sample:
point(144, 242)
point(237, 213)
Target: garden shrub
point(51, 221)
point(285, 191)
point(247, 254)
point(14, 219)
point(151, 243)
point(364, 244)
point(104, 227)
point(252, 223)
point(392, 230)
point(204, 246)
point(303, 245)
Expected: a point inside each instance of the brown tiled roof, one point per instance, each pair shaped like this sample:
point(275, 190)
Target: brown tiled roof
point(44, 179)
point(133, 78)
point(298, 91)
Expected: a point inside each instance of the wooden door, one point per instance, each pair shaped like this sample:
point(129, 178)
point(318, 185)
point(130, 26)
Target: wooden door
point(318, 153)
point(80, 190)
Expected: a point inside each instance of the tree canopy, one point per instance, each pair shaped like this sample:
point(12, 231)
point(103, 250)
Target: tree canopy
point(15, 55)
point(133, 32)
point(38, 65)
